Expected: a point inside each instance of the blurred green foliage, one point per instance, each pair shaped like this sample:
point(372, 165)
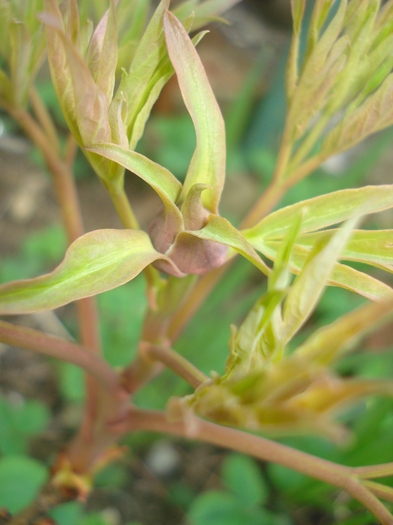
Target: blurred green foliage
point(244, 501)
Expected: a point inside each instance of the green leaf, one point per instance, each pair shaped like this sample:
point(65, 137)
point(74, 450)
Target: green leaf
point(20, 480)
point(243, 478)
point(322, 212)
point(292, 71)
point(83, 102)
point(374, 247)
point(373, 115)
point(162, 74)
point(18, 423)
point(102, 53)
point(208, 162)
point(342, 275)
point(317, 76)
point(330, 342)
point(213, 508)
point(136, 85)
point(20, 61)
point(311, 281)
point(158, 177)
point(147, 95)
point(221, 230)
point(98, 261)
point(67, 513)
point(91, 105)
point(297, 7)
point(57, 58)
point(203, 12)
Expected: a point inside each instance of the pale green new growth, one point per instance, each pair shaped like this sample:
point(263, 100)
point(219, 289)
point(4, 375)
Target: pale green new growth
point(321, 213)
point(208, 162)
point(107, 77)
point(264, 387)
point(96, 262)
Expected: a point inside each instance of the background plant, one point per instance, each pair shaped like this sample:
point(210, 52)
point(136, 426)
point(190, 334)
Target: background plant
point(266, 387)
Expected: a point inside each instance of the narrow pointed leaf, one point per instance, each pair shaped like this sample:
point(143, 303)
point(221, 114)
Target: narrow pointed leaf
point(148, 55)
point(315, 68)
point(73, 20)
point(150, 70)
point(57, 58)
point(148, 97)
point(313, 278)
point(374, 247)
point(323, 211)
point(360, 282)
point(96, 262)
point(375, 114)
point(102, 56)
point(297, 7)
point(292, 71)
point(325, 396)
point(329, 342)
point(20, 61)
point(220, 230)
point(208, 162)
point(342, 275)
point(90, 101)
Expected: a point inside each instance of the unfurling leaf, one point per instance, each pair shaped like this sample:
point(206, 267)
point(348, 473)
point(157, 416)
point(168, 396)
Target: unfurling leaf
point(84, 94)
point(328, 343)
point(96, 262)
point(59, 67)
point(208, 162)
point(266, 389)
point(199, 251)
point(311, 281)
point(221, 231)
point(103, 53)
point(146, 76)
point(288, 397)
point(22, 48)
